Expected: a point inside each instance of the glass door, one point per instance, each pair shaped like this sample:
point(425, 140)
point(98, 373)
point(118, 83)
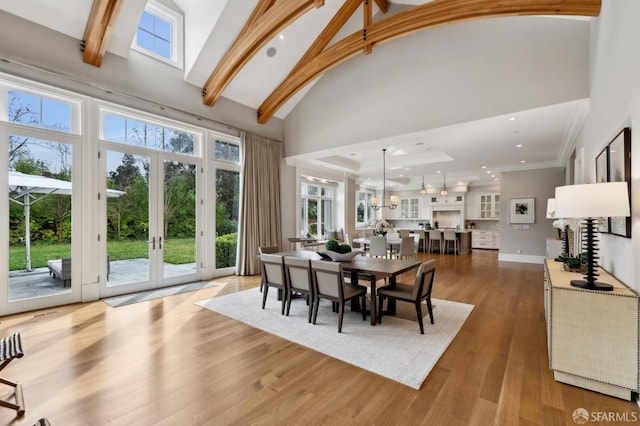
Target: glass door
point(151, 217)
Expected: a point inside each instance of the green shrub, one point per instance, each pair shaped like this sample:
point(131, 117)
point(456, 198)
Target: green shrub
point(226, 250)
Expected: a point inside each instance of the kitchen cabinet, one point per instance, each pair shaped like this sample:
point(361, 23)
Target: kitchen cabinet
point(592, 336)
point(409, 208)
point(483, 206)
point(485, 239)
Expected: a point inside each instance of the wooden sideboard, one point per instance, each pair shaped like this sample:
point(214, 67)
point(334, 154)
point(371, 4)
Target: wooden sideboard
point(592, 336)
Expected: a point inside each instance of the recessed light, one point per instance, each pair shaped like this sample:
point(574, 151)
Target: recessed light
point(419, 143)
point(271, 52)
point(488, 171)
point(522, 161)
point(484, 167)
point(512, 118)
point(281, 36)
point(519, 145)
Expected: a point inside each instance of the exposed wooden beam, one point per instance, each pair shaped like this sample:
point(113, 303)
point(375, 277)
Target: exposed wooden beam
point(98, 30)
point(383, 5)
point(418, 18)
point(268, 19)
point(368, 17)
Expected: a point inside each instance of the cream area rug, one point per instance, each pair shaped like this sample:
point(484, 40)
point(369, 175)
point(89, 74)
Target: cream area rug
point(394, 349)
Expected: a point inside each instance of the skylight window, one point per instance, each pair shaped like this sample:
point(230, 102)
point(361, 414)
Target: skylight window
point(159, 34)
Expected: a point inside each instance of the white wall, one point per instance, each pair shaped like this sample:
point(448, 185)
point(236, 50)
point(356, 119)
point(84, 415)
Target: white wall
point(615, 103)
point(443, 76)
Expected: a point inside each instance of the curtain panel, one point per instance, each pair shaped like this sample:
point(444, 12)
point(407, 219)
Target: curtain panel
point(260, 209)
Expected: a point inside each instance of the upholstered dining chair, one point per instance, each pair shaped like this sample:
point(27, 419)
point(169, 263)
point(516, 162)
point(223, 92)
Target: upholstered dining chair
point(328, 283)
point(416, 293)
point(403, 233)
point(435, 236)
point(450, 239)
point(378, 246)
point(298, 276)
point(266, 250)
point(407, 248)
point(272, 271)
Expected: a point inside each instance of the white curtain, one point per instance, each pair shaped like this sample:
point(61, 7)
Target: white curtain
point(260, 204)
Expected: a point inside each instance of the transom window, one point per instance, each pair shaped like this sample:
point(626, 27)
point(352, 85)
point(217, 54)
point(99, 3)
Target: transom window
point(133, 131)
point(41, 111)
point(159, 34)
point(227, 151)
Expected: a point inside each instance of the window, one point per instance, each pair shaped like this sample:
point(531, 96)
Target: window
point(42, 111)
point(318, 201)
point(159, 34)
point(227, 151)
point(364, 212)
point(131, 131)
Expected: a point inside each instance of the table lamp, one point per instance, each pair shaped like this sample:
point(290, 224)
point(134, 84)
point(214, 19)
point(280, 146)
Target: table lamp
point(589, 202)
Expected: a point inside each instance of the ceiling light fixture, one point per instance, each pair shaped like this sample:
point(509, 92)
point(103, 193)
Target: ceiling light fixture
point(444, 191)
point(423, 190)
point(394, 198)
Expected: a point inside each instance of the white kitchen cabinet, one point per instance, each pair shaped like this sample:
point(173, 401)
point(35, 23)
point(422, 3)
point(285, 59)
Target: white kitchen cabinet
point(485, 239)
point(409, 208)
point(483, 206)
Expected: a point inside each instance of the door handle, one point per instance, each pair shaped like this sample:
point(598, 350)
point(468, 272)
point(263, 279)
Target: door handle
point(160, 243)
point(153, 243)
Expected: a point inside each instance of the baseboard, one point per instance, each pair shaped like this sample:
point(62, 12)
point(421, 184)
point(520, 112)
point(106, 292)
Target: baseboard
point(523, 258)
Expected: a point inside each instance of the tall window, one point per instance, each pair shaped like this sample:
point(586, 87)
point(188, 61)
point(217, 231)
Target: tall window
point(227, 163)
point(364, 212)
point(159, 34)
point(318, 201)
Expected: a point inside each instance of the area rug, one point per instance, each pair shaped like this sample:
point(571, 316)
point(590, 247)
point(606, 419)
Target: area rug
point(394, 349)
point(143, 296)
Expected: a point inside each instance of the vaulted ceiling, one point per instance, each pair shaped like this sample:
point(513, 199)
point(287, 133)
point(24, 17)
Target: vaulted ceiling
point(266, 54)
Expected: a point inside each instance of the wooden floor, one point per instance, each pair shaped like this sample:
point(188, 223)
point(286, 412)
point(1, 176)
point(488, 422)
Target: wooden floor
point(170, 362)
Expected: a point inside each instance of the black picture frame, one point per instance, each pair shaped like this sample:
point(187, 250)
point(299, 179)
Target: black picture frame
point(619, 170)
point(602, 176)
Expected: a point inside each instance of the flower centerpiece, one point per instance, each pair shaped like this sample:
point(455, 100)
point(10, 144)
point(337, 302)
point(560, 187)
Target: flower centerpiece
point(380, 228)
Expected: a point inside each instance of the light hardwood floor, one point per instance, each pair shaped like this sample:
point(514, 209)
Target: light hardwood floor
point(170, 362)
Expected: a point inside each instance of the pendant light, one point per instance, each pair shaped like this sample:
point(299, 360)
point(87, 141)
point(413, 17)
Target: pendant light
point(444, 191)
point(394, 198)
point(423, 190)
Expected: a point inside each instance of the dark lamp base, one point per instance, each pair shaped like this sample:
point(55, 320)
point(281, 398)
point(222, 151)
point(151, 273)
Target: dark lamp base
point(591, 286)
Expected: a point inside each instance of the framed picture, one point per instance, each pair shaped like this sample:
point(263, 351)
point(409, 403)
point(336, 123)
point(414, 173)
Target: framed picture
point(620, 171)
point(522, 210)
point(602, 175)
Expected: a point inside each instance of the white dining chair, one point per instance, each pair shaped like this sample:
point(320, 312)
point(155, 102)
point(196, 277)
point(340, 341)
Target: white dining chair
point(378, 246)
point(450, 239)
point(407, 248)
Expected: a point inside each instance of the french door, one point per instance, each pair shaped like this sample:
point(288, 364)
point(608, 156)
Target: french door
point(151, 219)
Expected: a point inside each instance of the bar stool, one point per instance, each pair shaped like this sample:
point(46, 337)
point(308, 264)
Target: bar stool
point(435, 236)
point(450, 237)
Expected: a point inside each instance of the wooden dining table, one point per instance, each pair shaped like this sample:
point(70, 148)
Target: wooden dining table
point(370, 269)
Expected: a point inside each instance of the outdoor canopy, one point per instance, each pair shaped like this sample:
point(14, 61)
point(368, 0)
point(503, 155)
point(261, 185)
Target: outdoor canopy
point(27, 190)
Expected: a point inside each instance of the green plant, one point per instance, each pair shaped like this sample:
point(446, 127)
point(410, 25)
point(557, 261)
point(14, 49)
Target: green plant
point(332, 245)
point(344, 248)
point(226, 250)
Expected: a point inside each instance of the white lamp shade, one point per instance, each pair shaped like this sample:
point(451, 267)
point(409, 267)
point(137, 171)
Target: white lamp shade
point(551, 208)
point(609, 199)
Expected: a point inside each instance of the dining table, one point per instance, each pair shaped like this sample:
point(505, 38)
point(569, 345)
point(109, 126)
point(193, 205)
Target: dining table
point(370, 269)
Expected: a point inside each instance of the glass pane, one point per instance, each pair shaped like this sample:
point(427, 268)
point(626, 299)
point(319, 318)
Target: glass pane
point(312, 217)
point(179, 247)
point(147, 21)
point(39, 234)
point(327, 216)
point(127, 218)
point(227, 202)
point(234, 153)
point(312, 190)
point(114, 128)
point(179, 142)
point(162, 48)
point(145, 40)
point(163, 29)
point(39, 111)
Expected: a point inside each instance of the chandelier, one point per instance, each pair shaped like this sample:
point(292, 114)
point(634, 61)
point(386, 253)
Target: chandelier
point(394, 198)
point(444, 191)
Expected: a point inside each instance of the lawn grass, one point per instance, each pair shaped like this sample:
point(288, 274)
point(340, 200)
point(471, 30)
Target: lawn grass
point(176, 251)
